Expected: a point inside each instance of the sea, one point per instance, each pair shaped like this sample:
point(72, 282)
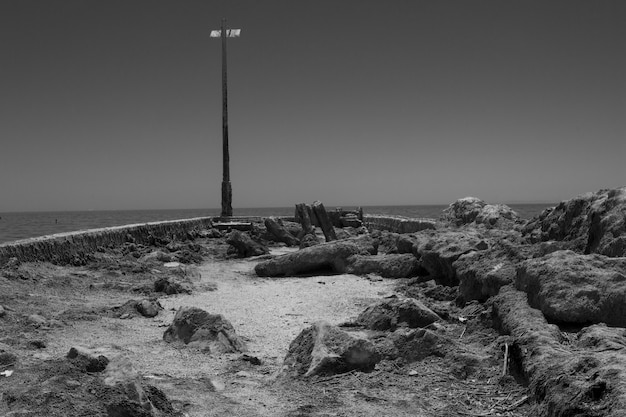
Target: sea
point(23, 225)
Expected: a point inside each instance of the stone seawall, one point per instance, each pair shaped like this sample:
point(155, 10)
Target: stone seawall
point(66, 247)
point(398, 224)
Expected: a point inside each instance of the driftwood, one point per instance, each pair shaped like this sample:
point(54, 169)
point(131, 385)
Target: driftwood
point(324, 221)
point(278, 230)
point(303, 216)
point(331, 256)
point(244, 245)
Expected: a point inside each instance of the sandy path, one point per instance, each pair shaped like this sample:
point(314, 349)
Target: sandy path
point(267, 313)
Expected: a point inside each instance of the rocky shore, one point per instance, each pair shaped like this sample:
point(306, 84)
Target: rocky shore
point(477, 313)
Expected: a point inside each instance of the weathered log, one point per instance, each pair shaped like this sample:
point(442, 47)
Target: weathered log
point(331, 256)
point(244, 245)
point(312, 216)
point(324, 221)
point(278, 230)
point(302, 216)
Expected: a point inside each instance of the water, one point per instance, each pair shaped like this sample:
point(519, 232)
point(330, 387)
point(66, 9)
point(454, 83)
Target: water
point(15, 226)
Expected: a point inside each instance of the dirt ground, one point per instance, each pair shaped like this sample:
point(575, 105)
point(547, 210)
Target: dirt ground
point(49, 309)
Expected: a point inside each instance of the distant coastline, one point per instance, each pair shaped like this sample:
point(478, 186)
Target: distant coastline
point(22, 225)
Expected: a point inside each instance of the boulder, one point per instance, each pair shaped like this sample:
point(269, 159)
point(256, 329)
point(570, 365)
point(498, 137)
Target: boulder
point(592, 222)
point(329, 256)
point(412, 345)
point(244, 245)
point(482, 274)
point(148, 308)
point(172, 285)
point(392, 312)
point(387, 241)
point(323, 349)
point(387, 266)
point(602, 338)
point(87, 360)
point(208, 332)
point(279, 232)
point(405, 243)
point(123, 393)
point(442, 249)
point(7, 357)
point(37, 320)
point(309, 240)
point(572, 288)
point(474, 210)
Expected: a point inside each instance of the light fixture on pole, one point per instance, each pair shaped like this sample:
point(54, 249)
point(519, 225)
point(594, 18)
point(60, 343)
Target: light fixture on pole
point(227, 190)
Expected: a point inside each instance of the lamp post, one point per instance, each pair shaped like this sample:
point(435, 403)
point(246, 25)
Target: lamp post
point(227, 190)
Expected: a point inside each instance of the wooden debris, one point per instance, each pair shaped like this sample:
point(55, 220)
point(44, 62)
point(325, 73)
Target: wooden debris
point(324, 221)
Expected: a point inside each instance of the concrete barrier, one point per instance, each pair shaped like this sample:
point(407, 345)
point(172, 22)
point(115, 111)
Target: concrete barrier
point(66, 247)
point(398, 224)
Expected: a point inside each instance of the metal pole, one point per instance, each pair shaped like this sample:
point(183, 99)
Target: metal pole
point(227, 190)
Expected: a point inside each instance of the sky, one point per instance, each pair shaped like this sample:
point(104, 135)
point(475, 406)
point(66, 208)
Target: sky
point(116, 104)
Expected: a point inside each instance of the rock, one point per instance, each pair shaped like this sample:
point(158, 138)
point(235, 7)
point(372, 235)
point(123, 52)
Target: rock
point(405, 243)
point(252, 359)
point(497, 215)
point(210, 234)
point(329, 256)
point(572, 288)
point(564, 379)
point(156, 256)
point(171, 285)
point(463, 211)
point(309, 240)
point(482, 274)
point(387, 241)
point(7, 357)
point(470, 210)
point(2, 311)
point(592, 222)
point(599, 337)
point(88, 360)
point(209, 332)
point(414, 345)
point(279, 232)
point(387, 266)
point(342, 234)
point(442, 249)
point(12, 263)
point(174, 246)
point(393, 312)
point(323, 349)
point(148, 308)
point(124, 394)
point(37, 320)
point(293, 228)
point(244, 245)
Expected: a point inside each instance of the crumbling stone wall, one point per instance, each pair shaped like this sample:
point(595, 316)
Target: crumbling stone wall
point(64, 247)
